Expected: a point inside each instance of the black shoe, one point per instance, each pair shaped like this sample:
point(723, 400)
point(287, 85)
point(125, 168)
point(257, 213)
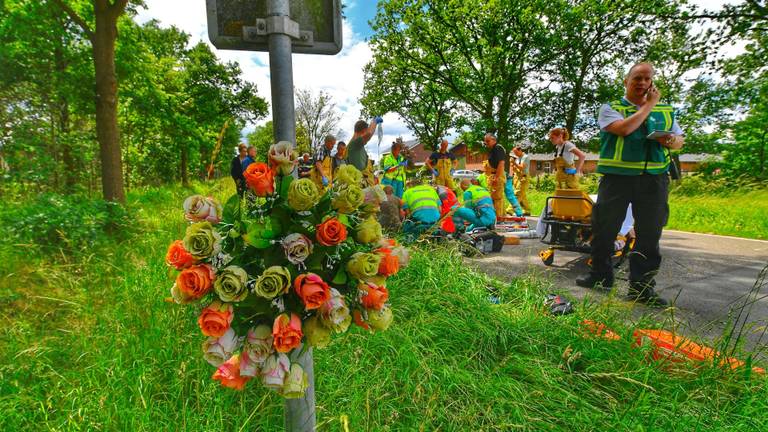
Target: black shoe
point(593, 281)
point(643, 292)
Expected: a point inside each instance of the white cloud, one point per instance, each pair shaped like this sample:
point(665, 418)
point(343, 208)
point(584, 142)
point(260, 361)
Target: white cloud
point(339, 75)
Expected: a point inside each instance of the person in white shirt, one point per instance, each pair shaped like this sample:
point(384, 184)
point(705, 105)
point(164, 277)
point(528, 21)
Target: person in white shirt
point(566, 171)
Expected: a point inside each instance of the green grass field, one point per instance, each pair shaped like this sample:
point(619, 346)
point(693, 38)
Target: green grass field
point(89, 344)
point(739, 214)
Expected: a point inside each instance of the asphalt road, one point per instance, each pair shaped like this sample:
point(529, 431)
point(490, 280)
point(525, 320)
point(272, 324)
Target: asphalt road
point(707, 277)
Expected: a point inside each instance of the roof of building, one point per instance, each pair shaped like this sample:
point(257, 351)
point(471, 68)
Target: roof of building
point(410, 145)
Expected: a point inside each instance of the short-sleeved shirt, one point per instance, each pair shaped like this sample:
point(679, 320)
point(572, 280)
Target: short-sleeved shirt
point(435, 156)
point(608, 115)
point(337, 162)
point(525, 160)
point(304, 168)
point(565, 152)
point(356, 154)
point(497, 154)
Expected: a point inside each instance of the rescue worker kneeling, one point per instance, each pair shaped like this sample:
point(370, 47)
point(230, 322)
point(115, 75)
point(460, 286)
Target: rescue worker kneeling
point(478, 207)
point(422, 207)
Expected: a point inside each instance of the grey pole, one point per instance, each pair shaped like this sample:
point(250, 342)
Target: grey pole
point(299, 413)
point(281, 77)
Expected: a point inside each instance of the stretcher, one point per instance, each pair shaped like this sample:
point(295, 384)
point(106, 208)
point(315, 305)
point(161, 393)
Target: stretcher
point(566, 224)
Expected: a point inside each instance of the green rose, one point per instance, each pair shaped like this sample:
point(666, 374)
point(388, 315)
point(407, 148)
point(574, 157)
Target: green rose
point(230, 284)
point(347, 199)
point(201, 240)
point(380, 319)
point(369, 231)
point(302, 194)
point(273, 282)
point(316, 333)
point(363, 265)
point(348, 175)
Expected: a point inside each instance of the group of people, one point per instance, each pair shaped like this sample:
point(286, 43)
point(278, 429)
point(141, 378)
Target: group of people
point(633, 163)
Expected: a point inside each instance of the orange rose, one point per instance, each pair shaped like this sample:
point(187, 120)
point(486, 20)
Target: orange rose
point(178, 257)
point(374, 296)
point(312, 290)
point(286, 332)
point(229, 374)
point(357, 317)
point(193, 283)
point(331, 232)
point(215, 319)
point(259, 178)
point(389, 264)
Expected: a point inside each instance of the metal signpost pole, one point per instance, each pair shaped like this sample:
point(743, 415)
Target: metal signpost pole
point(299, 413)
point(281, 76)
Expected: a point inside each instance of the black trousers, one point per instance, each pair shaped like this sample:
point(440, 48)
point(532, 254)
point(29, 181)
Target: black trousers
point(648, 195)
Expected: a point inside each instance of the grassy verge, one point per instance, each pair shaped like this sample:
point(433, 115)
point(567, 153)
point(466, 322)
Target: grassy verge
point(90, 345)
point(740, 214)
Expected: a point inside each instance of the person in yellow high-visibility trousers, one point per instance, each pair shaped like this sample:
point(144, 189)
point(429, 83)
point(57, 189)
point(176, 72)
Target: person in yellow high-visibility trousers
point(499, 183)
point(441, 164)
point(322, 171)
point(566, 172)
point(521, 166)
point(393, 165)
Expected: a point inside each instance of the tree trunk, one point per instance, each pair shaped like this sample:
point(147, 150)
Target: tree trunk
point(67, 156)
point(184, 166)
point(578, 87)
point(107, 131)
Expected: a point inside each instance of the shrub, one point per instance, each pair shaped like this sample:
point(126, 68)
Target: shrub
point(72, 223)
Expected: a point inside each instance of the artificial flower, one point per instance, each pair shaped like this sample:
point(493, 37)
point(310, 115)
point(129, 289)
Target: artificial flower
point(215, 318)
point(274, 281)
point(178, 257)
point(312, 290)
point(229, 374)
point(274, 370)
point(259, 178)
point(198, 208)
point(380, 319)
point(368, 231)
point(192, 284)
point(359, 321)
point(317, 334)
point(373, 296)
point(216, 350)
point(296, 382)
point(303, 194)
point(201, 240)
point(249, 365)
point(297, 247)
point(282, 157)
point(286, 332)
point(331, 232)
point(389, 265)
point(347, 199)
point(334, 313)
point(348, 175)
point(362, 265)
point(230, 284)
point(258, 343)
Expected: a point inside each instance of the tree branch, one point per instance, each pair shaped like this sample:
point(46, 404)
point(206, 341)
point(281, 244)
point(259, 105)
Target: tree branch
point(76, 18)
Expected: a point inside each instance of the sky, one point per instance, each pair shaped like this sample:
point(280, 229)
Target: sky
point(340, 75)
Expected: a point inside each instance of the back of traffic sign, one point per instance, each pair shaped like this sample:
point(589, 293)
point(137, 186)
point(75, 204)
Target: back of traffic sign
point(314, 25)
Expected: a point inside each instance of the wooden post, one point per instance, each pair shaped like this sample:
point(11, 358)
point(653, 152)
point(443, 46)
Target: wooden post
point(300, 413)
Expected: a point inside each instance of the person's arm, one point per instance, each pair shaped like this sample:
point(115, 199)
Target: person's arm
point(428, 163)
point(582, 158)
point(500, 169)
point(630, 124)
point(236, 169)
point(366, 136)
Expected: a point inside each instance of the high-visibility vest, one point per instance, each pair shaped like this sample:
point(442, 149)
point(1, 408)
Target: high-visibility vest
point(635, 154)
point(388, 161)
point(478, 193)
point(421, 197)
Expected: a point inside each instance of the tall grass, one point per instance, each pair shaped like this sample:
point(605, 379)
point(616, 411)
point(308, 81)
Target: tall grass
point(91, 345)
